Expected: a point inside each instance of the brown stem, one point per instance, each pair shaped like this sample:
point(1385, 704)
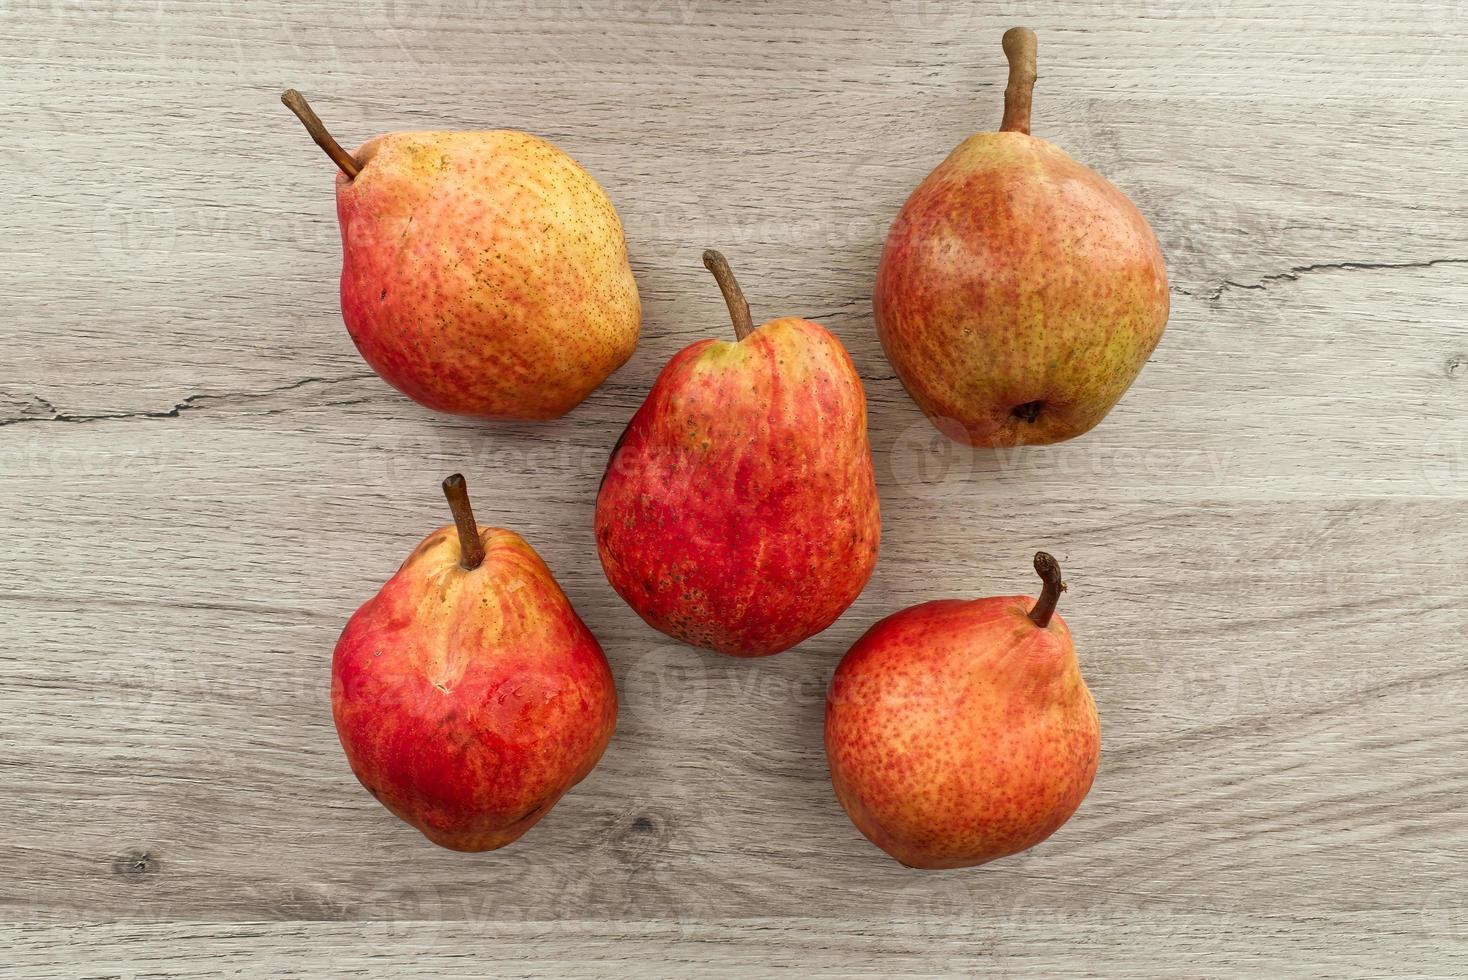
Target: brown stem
point(738, 308)
point(1019, 48)
point(471, 549)
point(296, 102)
point(1049, 570)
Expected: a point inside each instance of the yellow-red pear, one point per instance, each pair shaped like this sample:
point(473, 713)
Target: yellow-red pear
point(467, 693)
point(483, 273)
point(739, 509)
point(960, 731)
point(1019, 293)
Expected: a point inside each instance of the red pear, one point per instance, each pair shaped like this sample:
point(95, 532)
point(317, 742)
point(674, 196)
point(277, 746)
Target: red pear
point(468, 694)
point(739, 510)
point(960, 731)
point(483, 273)
point(1019, 292)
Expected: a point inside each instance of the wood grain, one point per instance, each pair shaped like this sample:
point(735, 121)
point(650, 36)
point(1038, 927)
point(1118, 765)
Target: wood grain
point(1265, 540)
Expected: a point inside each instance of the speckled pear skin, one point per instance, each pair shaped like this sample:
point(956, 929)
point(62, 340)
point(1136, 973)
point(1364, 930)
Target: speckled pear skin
point(469, 702)
point(739, 510)
point(958, 732)
point(1012, 275)
point(484, 273)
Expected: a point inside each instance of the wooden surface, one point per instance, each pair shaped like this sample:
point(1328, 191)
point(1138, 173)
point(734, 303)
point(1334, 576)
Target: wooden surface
point(1265, 541)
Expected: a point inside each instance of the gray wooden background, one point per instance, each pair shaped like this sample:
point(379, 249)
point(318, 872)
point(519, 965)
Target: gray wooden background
point(1265, 541)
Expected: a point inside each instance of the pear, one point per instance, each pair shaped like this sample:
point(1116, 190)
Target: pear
point(467, 693)
point(1019, 293)
point(739, 511)
point(483, 273)
point(960, 731)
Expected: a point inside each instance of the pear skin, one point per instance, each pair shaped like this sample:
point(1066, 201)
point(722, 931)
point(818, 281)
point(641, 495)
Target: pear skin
point(961, 731)
point(1019, 293)
point(739, 509)
point(483, 273)
point(470, 699)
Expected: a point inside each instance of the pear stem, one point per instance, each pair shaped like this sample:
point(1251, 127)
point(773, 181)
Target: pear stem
point(1019, 47)
point(296, 102)
point(738, 307)
point(1049, 570)
point(471, 549)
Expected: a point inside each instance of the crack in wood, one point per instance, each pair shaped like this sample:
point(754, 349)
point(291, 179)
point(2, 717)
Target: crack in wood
point(1294, 273)
point(188, 404)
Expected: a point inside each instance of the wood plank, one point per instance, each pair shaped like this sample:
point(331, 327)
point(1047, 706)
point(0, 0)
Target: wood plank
point(1123, 943)
point(1264, 541)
